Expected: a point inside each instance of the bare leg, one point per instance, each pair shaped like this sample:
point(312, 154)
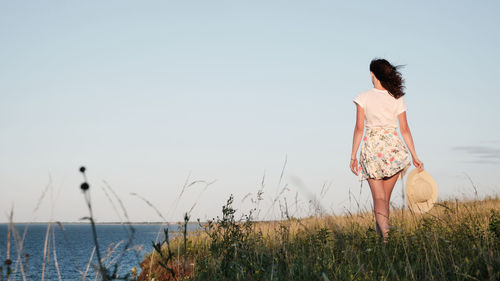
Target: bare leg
point(389, 184)
point(381, 194)
point(379, 205)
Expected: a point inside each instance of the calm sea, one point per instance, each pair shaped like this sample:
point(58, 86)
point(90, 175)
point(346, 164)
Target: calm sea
point(74, 245)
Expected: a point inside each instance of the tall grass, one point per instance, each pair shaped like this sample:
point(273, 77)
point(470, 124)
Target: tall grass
point(455, 241)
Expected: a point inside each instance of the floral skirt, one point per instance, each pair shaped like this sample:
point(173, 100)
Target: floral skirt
point(383, 154)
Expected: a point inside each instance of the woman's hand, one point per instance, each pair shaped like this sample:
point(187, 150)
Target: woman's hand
point(418, 164)
point(354, 166)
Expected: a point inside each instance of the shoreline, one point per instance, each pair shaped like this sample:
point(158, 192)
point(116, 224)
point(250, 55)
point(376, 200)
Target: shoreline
point(97, 223)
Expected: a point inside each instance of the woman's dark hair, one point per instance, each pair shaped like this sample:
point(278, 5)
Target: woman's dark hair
point(389, 76)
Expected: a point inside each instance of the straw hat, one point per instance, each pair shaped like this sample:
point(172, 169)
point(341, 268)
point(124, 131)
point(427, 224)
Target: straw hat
point(421, 191)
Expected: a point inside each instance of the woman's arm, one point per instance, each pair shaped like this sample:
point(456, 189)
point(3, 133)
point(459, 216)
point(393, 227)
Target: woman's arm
point(405, 132)
point(356, 140)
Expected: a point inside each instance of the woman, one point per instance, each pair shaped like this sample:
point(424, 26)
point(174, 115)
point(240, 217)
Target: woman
point(383, 156)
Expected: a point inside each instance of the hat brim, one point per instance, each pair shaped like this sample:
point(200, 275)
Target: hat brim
point(420, 207)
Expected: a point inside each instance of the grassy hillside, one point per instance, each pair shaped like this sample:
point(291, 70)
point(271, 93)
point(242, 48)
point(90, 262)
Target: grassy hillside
point(455, 241)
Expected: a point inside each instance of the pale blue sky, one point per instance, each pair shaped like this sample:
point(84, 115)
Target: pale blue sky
point(145, 93)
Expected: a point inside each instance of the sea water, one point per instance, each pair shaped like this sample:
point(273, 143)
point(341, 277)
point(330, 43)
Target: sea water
point(69, 248)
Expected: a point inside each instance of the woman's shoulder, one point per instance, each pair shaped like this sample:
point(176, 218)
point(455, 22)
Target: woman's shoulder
point(363, 98)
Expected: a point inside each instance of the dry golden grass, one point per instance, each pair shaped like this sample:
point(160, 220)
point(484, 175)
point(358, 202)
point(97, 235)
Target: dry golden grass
point(456, 240)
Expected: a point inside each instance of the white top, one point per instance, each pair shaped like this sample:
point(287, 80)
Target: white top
point(381, 109)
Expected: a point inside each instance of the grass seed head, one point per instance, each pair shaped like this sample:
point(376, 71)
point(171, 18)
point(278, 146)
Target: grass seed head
point(85, 186)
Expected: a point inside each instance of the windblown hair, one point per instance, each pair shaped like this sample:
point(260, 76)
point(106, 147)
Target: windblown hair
point(389, 76)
